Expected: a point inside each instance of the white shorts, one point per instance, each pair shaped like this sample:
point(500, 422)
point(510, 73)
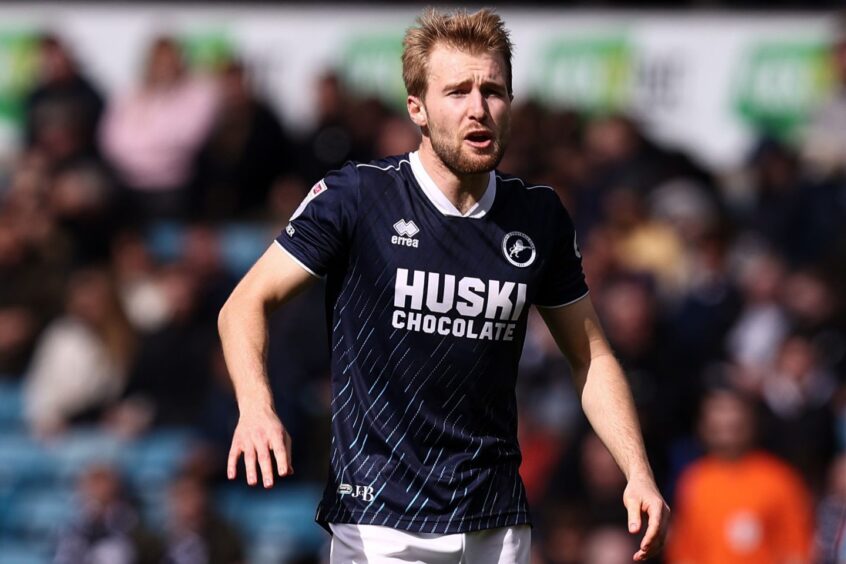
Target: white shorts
point(373, 544)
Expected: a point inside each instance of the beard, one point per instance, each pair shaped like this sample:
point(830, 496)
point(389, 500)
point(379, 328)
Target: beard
point(461, 159)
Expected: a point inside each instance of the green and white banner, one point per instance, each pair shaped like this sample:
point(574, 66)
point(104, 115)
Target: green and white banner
point(17, 69)
point(592, 73)
point(780, 83)
point(707, 83)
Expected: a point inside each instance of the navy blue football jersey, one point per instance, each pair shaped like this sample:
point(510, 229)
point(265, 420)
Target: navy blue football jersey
point(427, 314)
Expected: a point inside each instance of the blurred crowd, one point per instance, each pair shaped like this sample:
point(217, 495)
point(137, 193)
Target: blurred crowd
point(720, 291)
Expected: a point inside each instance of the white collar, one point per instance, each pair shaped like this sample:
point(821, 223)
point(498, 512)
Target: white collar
point(441, 202)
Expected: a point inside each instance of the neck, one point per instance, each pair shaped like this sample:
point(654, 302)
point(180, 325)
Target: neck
point(462, 190)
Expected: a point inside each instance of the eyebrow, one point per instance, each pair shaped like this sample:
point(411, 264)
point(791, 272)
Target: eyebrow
point(485, 84)
point(458, 84)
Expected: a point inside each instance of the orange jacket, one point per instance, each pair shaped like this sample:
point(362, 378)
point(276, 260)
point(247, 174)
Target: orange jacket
point(752, 510)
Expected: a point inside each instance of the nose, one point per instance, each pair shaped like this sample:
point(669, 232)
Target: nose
point(477, 105)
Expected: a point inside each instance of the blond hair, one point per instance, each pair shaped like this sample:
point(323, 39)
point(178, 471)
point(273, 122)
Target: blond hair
point(480, 32)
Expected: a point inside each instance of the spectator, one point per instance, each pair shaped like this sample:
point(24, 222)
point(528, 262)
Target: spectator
point(609, 546)
point(106, 529)
point(329, 144)
point(630, 316)
point(775, 209)
point(30, 294)
point(589, 479)
point(798, 395)
point(564, 535)
point(762, 325)
point(548, 409)
point(284, 198)
point(616, 155)
point(831, 516)
point(151, 135)
point(738, 504)
point(824, 148)
point(201, 256)
point(247, 151)
point(196, 534)
point(136, 274)
point(81, 203)
point(704, 315)
point(298, 359)
point(642, 244)
point(172, 372)
point(397, 135)
point(364, 121)
point(81, 362)
point(604, 484)
point(219, 416)
point(815, 306)
point(63, 109)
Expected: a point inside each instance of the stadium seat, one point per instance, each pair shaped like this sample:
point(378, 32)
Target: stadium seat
point(278, 524)
point(85, 447)
point(164, 240)
point(11, 404)
point(23, 460)
point(38, 513)
point(272, 551)
point(156, 458)
point(15, 551)
point(242, 243)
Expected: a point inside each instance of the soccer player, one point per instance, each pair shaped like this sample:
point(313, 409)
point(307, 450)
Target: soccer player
point(432, 260)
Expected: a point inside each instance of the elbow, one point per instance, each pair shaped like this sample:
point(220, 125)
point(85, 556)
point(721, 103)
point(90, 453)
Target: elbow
point(223, 317)
point(239, 308)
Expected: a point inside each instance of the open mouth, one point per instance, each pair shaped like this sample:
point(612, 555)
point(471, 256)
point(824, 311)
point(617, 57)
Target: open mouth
point(480, 138)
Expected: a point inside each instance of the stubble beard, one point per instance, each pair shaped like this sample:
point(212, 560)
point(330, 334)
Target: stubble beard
point(462, 160)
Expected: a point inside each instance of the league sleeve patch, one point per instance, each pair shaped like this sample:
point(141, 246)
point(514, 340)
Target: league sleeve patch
point(314, 192)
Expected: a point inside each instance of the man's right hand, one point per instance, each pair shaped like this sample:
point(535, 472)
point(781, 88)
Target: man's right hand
point(257, 434)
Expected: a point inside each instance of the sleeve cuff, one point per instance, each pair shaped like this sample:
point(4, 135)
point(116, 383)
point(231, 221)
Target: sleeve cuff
point(564, 304)
point(298, 261)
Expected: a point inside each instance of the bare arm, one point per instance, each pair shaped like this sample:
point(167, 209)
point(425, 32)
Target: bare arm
point(608, 405)
point(242, 324)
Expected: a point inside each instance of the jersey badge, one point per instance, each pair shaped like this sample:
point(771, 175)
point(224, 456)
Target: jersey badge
point(519, 249)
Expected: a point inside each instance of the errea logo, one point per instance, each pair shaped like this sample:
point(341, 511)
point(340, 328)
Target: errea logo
point(406, 231)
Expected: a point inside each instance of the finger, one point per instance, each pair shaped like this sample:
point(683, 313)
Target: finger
point(266, 466)
point(250, 465)
point(280, 453)
point(287, 438)
point(232, 462)
point(640, 556)
point(649, 539)
point(633, 509)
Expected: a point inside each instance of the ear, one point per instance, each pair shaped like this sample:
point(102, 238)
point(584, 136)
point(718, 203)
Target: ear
point(417, 111)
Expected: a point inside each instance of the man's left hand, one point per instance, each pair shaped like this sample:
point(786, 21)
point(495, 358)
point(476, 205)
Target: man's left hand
point(642, 496)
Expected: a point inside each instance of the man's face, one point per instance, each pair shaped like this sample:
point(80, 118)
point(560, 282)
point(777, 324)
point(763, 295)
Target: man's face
point(727, 426)
point(466, 111)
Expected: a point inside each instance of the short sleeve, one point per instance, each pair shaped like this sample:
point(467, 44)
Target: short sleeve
point(562, 280)
point(319, 232)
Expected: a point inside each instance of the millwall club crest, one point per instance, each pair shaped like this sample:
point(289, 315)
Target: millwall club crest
point(518, 249)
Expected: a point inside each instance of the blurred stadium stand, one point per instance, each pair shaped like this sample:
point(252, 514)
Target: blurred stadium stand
point(37, 494)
